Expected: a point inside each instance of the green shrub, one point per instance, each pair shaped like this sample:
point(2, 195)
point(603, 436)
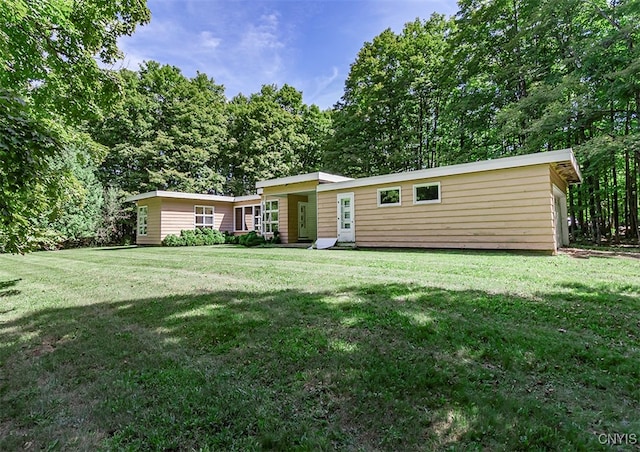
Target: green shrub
point(251, 239)
point(231, 238)
point(173, 240)
point(210, 236)
point(198, 237)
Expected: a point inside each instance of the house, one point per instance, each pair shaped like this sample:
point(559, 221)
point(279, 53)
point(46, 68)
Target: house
point(516, 203)
point(161, 213)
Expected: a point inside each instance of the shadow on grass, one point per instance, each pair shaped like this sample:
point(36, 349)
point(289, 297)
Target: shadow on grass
point(373, 367)
point(119, 248)
point(4, 285)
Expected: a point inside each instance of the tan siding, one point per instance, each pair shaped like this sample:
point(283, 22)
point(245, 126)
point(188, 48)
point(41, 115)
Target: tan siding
point(290, 188)
point(327, 214)
point(178, 214)
point(312, 217)
point(153, 222)
point(502, 209)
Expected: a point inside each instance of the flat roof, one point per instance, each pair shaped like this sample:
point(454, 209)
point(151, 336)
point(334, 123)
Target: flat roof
point(308, 177)
point(191, 196)
point(564, 159)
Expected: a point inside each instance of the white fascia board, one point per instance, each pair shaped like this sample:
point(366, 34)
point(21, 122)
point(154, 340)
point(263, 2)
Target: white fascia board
point(308, 177)
point(179, 195)
point(563, 155)
point(247, 198)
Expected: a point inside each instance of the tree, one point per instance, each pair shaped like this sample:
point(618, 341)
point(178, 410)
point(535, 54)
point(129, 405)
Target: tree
point(388, 117)
point(268, 137)
point(50, 80)
point(166, 134)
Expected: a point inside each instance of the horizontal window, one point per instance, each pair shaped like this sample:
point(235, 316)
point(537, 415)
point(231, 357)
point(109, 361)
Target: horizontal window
point(389, 196)
point(426, 193)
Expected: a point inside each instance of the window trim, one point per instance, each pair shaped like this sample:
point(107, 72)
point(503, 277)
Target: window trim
point(196, 225)
point(257, 218)
point(395, 204)
point(427, 201)
point(244, 212)
point(146, 221)
point(235, 219)
point(267, 212)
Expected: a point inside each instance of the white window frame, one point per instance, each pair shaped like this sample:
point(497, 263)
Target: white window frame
point(399, 203)
point(267, 221)
point(257, 218)
point(204, 215)
point(427, 201)
point(235, 219)
point(244, 212)
point(143, 220)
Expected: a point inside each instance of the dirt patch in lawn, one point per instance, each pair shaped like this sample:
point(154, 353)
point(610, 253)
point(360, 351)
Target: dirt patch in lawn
point(581, 253)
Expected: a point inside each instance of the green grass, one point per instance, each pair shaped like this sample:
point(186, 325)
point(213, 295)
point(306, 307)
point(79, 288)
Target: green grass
point(288, 349)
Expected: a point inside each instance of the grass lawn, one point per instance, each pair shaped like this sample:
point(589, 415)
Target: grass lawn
point(233, 348)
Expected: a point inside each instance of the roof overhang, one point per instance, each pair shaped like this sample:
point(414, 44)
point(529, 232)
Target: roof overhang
point(318, 176)
point(190, 196)
point(563, 161)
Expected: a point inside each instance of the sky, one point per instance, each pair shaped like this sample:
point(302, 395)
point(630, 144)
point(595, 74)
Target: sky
point(244, 44)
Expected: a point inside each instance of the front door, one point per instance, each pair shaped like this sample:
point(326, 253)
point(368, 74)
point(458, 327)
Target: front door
point(302, 221)
point(346, 225)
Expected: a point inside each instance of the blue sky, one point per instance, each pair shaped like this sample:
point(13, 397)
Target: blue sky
point(242, 44)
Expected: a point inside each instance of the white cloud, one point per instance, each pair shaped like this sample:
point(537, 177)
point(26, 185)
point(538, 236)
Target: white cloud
point(264, 35)
point(208, 41)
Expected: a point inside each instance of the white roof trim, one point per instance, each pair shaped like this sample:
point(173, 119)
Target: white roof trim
point(179, 195)
point(247, 198)
point(317, 176)
point(563, 155)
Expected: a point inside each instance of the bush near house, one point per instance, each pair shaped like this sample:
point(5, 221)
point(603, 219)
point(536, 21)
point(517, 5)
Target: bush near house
point(251, 239)
point(196, 237)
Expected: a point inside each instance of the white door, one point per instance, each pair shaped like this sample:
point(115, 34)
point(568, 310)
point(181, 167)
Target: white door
point(302, 221)
point(346, 225)
point(557, 213)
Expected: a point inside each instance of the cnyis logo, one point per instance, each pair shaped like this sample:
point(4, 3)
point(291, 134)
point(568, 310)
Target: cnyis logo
point(618, 439)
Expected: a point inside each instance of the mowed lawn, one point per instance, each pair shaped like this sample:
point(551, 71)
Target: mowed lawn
point(231, 348)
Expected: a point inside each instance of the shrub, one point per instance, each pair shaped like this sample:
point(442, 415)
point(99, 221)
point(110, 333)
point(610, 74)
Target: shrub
point(173, 240)
point(198, 237)
point(251, 239)
point(231, 238)
point(210, 236)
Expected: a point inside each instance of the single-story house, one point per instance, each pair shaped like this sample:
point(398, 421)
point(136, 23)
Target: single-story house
point(516, 203)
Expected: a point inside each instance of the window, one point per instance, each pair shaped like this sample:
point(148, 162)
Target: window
point(244, 215)
point(204, 217)
point(257, 219)
point(426, 193)
point(270, 216)
point(238, 220)
point(389, 196)
point(143, 216)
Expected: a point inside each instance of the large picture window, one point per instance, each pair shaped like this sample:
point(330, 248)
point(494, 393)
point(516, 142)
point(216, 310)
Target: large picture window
point(270, 216)
point(389, 197)
point(245, 216)
point(143, 220)
point(204, 217)
point(426, 193)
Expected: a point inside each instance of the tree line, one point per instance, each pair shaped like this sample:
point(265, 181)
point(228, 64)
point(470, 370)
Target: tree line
point(499, 78)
